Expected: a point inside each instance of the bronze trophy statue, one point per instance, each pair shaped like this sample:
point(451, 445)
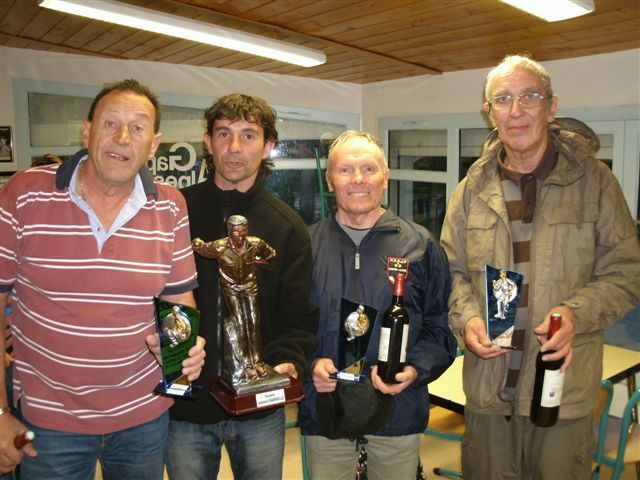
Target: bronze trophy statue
point(243, 370)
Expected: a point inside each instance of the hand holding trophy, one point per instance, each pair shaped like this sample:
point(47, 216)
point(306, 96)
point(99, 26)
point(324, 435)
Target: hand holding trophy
point(177, 327)
point(247, 383)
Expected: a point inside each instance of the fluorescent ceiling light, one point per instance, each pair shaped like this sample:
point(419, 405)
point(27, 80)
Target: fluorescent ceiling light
point(188, 29)
point(554, 10)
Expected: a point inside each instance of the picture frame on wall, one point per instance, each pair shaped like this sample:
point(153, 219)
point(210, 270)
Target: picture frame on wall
point(4, 177)
point(6, 145)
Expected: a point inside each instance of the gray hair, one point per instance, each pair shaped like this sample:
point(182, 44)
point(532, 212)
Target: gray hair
point(512, 62)
point(236, 221)
point(347, 135)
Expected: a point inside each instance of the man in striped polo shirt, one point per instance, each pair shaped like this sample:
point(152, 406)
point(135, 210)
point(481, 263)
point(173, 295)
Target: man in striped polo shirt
point(538, 202)
point(86, 246)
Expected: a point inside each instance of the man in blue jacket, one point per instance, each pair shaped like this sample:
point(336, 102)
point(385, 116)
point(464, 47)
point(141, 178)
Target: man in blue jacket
point(351, 250)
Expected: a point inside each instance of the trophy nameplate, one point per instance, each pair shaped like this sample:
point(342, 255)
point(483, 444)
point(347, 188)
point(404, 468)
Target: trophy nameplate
point(177, 327)
point(353, 373)
point(502, 296)
point(262, 395)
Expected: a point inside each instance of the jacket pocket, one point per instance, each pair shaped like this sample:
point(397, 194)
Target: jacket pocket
point(569, 243)
point(582, 378)
point(483, 380)
point(481, 236)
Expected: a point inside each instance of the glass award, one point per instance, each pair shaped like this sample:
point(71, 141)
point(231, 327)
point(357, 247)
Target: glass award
point(503, 289)
point(356, 325)
point(177, 327)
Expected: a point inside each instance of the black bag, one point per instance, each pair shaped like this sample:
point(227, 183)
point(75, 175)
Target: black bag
point(353, 410)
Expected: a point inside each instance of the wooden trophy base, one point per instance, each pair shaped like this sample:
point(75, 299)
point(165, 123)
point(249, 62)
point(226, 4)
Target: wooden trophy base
point(262, 399)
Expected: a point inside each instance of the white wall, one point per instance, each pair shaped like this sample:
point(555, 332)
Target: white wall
point(586, 82)
point(167, 78)
point(185, 79)
point(609, 80)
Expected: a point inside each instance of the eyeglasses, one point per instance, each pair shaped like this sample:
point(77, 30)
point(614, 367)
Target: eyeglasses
point(526, 100)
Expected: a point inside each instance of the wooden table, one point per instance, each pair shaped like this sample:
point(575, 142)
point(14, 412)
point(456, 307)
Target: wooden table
point(617, 364)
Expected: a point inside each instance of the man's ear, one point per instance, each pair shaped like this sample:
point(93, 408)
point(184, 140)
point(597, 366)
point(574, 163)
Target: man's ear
point(268, 147)
point(486, 106)
point(85, 130)
point(207, 142)
point(155, 143)
point(329, 183)
point(553, 108)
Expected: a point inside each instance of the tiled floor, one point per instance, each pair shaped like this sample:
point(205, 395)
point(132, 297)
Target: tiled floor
point(434, 452)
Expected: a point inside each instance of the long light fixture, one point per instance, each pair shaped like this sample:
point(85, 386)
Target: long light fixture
point(188, 29)
point(554, 10)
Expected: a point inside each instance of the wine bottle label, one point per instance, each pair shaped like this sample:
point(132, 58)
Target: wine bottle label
point(405, 339)
point(383, 352)
point(552, 388)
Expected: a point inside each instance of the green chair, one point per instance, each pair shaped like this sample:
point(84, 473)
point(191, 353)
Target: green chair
point(447, 425)
point(303, 448)
point(618, 439)
point(441, 427)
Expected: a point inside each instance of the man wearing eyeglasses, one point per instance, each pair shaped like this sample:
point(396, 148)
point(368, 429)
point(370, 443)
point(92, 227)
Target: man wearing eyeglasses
point(539, 203)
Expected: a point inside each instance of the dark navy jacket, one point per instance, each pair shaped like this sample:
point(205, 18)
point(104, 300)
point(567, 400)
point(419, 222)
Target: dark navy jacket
point(431, 347)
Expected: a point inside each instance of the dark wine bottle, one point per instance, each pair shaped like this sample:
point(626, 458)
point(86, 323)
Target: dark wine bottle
point(547, 389)
point(394, 334)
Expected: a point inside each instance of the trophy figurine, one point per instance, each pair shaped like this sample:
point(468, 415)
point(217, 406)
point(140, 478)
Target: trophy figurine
point(502, 297)
point(247, 383)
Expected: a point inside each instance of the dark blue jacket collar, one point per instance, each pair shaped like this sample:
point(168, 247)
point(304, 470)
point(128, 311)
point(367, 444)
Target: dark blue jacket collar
point(65, 172)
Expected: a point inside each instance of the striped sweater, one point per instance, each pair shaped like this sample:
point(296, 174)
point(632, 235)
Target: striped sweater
point(81, 315)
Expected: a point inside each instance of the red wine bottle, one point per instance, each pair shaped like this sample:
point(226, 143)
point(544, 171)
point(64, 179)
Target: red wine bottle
point(394, 334)
point(547, 389)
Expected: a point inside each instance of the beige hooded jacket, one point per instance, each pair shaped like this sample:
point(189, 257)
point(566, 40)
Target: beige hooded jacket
point(584, 254)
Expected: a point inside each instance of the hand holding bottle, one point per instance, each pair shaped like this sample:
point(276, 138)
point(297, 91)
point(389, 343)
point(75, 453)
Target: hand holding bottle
point(404, 379)
point(549, 380)
point(561, 344)
point(11, 453)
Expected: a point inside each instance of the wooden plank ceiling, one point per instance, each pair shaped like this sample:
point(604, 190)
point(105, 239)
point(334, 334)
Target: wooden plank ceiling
point(364, 40)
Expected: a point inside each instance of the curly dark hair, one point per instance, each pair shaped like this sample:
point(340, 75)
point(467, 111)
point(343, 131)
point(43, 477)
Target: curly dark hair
point(238, 106)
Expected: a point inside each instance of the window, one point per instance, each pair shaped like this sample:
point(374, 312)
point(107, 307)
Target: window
point(55, 113)
point(413, 156)
point(471, 141)
point(295, 179)
point(430, 155)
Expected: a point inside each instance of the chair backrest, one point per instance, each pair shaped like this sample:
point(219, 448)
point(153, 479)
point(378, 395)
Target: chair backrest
point(617, 463)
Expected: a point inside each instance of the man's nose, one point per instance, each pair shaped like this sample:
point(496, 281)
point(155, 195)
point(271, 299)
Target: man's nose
point(516, 108)
point(357, 175)
point(122, 135)
point(235, 143)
